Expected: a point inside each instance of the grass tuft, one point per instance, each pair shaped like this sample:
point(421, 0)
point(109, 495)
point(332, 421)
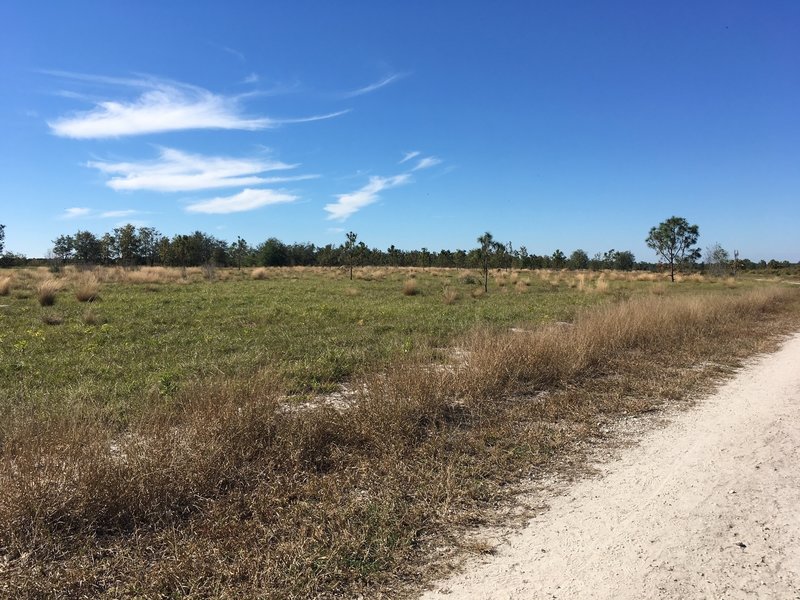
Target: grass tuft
point(410, 287)
point(87, 288)
point(46, 292)
point(50, 318)
point(450, 296)
point(5, 286)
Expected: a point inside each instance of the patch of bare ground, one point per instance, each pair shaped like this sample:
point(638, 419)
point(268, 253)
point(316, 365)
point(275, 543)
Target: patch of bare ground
point(232, 495)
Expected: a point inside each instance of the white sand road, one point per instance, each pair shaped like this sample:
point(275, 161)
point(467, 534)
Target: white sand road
point(706, 507)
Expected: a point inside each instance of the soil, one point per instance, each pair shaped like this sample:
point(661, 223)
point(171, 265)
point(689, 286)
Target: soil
point(707, 506)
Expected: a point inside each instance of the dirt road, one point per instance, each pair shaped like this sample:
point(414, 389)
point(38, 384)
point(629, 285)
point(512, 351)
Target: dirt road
point(706, 507)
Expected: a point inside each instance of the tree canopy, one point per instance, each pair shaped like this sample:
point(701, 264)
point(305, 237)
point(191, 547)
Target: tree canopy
point(673, 240)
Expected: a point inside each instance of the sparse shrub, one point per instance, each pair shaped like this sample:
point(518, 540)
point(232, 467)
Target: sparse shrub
point(478, 293)
point(410, 287)
point(468, 279)
point(450, 296)
point(601, 286)
point(88, 288)
point(260, 273)
point(730, 282)
point(5, 286)
point(520, 287)
point(46, 292)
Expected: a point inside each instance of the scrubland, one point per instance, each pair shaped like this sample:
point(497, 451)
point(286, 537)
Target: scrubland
point(290, 433)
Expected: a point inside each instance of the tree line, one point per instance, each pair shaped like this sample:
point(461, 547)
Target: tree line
point(132, 246)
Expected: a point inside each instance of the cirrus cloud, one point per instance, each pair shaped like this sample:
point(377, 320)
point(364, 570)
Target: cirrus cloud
point(162, 106)
point(348, 204)
point(178, 171)
point(247, 199)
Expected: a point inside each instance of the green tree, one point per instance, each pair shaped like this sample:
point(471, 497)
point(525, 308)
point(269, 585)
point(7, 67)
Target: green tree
point(579, 259)
point(127, 242)
point(2, 238)
point(240, 251)
point(485, 252)
point(273, 253)
point(87, 248)
point(559, 259)
point(64, 247)
point(350, 250)
point(149, 240)
point(673, 240)
point(624, 260)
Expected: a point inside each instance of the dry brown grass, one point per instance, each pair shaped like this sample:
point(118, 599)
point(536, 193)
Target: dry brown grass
point(478, 292)
point(260, 273)
point(410, 287)
point(46, 291)
point(450, 296)
point(87, 288)
point(224, 492)
point(5, 286)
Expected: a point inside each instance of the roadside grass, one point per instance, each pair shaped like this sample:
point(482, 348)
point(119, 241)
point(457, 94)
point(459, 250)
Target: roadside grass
point(212, 484)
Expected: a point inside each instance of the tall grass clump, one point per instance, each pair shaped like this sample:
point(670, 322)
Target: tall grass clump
point(410, 287)
point(87, 288)
point(260, 273)
point(450, 296)
point(5, 286)
point(46, 291)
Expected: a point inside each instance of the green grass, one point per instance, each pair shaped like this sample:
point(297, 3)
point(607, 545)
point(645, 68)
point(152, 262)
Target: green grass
point(313, 330)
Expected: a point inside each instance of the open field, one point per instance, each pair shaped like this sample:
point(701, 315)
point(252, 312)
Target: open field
point(157, 437)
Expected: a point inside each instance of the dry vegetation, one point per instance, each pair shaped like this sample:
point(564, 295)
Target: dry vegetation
point(46, 291)
point(224, 492)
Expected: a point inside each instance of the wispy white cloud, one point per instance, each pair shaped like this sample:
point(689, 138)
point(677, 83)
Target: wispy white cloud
point(117, 214)
point(75, 212)
point(162, 106)
point(177, 171)
point(232, 52)
point(374, 86)
point(348, 204)
point(247, 199)
point(252, 78)
point(427, 163)
point(408, 156)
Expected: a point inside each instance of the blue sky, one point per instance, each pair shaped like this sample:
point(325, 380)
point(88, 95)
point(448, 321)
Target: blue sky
point(551, 124)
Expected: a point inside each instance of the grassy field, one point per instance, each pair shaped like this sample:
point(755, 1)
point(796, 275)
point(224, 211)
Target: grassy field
point(163, 433)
